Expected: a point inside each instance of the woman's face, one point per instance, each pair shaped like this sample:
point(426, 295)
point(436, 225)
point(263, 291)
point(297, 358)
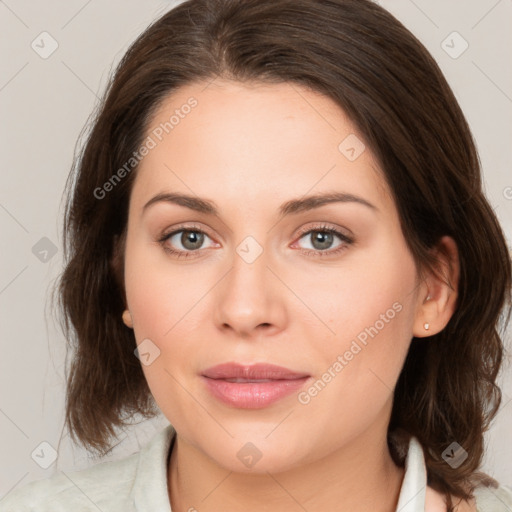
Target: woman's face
point(260, 280)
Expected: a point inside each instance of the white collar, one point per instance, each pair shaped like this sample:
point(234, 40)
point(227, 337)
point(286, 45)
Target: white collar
point(414, 485)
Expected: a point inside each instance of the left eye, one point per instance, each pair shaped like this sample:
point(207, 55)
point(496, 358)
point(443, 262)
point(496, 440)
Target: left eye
point(322, 239)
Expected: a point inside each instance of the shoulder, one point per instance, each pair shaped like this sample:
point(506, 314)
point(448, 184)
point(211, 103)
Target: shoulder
point(486, 499)
point(137, 480)
point(104, 486)
point(491, 499)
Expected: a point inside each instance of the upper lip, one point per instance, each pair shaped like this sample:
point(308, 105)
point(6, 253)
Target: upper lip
point(254, 371)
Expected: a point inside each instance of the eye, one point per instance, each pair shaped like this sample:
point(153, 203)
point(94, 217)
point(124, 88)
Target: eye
point(321, 241)
point(183, 241)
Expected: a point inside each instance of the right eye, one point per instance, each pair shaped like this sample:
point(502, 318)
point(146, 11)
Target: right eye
point(190, 239)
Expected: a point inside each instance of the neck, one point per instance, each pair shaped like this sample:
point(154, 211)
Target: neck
point(357, 477)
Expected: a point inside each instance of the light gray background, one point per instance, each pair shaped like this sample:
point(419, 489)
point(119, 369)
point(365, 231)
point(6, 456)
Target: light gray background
point(45, 103)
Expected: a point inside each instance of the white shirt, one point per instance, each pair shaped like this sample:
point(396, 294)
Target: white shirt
point(138, 483)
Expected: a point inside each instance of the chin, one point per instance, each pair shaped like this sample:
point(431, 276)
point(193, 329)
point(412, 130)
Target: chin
point(257, 456)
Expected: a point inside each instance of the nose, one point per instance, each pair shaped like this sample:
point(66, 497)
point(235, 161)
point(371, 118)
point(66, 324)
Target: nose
point(249, 300)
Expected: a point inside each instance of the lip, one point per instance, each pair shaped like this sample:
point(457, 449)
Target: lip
point(234, 384)
point(254, 371)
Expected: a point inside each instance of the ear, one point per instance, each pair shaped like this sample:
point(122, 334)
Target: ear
point(127, 319)
point(437, 299)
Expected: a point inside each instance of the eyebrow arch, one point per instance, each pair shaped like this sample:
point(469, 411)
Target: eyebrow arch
point(290, 207)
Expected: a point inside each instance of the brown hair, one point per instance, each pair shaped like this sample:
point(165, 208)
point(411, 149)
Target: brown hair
point(360, 56)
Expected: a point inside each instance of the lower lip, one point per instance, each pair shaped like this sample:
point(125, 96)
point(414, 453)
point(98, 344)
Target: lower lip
point(252, 395)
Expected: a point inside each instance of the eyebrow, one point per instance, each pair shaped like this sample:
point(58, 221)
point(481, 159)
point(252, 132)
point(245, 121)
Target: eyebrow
point(293, 206)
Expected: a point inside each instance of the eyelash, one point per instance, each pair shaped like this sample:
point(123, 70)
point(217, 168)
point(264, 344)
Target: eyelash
point(347, 241)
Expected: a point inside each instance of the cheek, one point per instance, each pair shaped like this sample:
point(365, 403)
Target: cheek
point(161, 298)
point(368, 298)
point(159, 294)
point(357, 368)
point(369, 311)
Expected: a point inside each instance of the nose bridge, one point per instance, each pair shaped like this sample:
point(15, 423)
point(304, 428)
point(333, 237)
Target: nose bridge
point(249, 270)
point(247, 298)
point(250, 250)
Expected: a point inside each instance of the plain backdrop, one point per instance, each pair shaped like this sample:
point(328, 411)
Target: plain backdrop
point(56, 58)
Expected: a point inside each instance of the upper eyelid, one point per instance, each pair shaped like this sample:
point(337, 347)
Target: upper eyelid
point(325, 226)
point(167, 235)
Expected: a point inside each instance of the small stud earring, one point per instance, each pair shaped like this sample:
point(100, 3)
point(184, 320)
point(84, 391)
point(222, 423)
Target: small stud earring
point(428, 298)
point(427, 326)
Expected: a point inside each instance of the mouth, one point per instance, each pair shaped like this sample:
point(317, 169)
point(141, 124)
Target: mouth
point(252, 386)
point(254, 372)
point(248, 380)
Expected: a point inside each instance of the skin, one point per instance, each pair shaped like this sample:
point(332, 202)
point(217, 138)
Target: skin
point(250, 148)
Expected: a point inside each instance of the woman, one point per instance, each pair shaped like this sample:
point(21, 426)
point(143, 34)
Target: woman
point(276, 235)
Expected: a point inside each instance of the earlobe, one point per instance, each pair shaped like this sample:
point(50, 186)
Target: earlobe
point(438, 302)
point(127, 319)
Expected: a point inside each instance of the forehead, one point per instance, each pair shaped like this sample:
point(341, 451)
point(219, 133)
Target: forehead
point(238, 141)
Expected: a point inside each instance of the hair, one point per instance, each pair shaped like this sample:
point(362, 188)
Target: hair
point(360, 56)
